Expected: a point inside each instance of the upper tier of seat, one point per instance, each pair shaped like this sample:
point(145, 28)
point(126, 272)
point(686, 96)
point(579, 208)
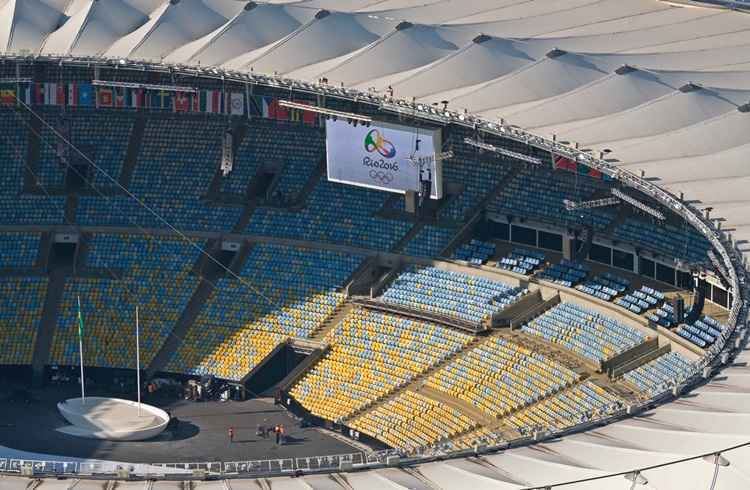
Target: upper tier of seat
point(152, 273)
point(453, 294)
point(531, 194)
point(285, 292)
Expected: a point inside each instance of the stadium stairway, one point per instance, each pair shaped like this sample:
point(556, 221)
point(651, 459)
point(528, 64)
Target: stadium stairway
point(568, 358)
point(464, 407)
point(131, 155)
point(416, 383)
point(33, 153)
point(300, 199)
point(208, 280)
point(400, 245)
point(47, 324)
point(481, 206)
point(71, 208)
point(330, 323)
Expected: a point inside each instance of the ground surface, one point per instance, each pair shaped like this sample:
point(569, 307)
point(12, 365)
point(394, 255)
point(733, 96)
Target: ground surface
point(200, 437)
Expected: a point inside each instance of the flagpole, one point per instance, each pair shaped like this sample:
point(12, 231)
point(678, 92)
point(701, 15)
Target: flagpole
point(80, 349)
point(138, 359)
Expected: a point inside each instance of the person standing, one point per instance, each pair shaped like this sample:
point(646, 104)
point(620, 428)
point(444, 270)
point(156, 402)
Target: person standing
point(277, 430)
point(231, 435)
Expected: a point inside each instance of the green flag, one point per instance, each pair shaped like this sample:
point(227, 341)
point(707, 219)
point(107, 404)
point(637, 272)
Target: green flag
point(80, 320)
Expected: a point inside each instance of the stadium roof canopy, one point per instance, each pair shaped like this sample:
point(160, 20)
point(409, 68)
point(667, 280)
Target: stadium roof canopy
point(664, 85)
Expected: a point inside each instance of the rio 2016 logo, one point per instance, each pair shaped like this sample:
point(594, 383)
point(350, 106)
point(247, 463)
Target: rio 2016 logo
point(374, 141)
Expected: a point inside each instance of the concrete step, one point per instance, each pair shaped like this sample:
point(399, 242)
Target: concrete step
point(462, 406)
point(48, 324)
point(416, 383)
point(330, 323)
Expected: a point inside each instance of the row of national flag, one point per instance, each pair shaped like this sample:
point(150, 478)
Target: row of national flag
point(76, 94)
point(82, 94)
point(561, 163)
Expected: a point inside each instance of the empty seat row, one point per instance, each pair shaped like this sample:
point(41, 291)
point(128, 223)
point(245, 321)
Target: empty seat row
point(152, 273)
point(660, 374)
point(475, 252)
point(703, 332)
point(430, 241)
point(539, 193)
point(500, 376)
point(586, 332)
point(453, 294)
point(372, 353)
point(283, 292)
point(412, 421)
point(333, 213)
point(641, 300)
point(18, 249)
point(522, 261)
point(565, 273)
point(668, 240)
point(606, 286)
point(21, 301)
point(579, 404)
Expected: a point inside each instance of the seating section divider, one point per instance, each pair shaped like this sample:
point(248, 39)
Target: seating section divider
point(285, 292)
point(372, 353)
point(499, 376)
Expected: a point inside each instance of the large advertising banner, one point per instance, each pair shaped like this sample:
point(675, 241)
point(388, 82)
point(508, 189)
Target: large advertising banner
point(383, 156)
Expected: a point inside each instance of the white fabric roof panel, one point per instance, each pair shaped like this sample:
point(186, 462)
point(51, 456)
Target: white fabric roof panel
point(250, 29)
point(170, 26)
point(25, 23)
point(671, 112)
point(612, 93)
point(94, 28)
point(638, 22)
point(575, 13)
point(407, 47)
point(444, 11)
point(544, 78)
point(705, 137)
point(698, 28)
point(485, 59)
point(314, 42)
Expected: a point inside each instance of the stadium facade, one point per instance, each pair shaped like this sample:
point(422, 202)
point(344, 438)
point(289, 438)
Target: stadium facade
point(644, 96)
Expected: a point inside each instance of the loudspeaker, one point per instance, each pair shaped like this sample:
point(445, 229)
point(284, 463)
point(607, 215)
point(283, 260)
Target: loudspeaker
point(410, 203)
point(697, 309)
point(679, 310)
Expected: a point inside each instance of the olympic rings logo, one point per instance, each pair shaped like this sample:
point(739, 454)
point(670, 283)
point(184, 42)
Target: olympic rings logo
point(374, 141)
point(382, 177)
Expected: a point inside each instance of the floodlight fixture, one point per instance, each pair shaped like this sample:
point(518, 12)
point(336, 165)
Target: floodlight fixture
point(502, 151)
point(638, 204)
